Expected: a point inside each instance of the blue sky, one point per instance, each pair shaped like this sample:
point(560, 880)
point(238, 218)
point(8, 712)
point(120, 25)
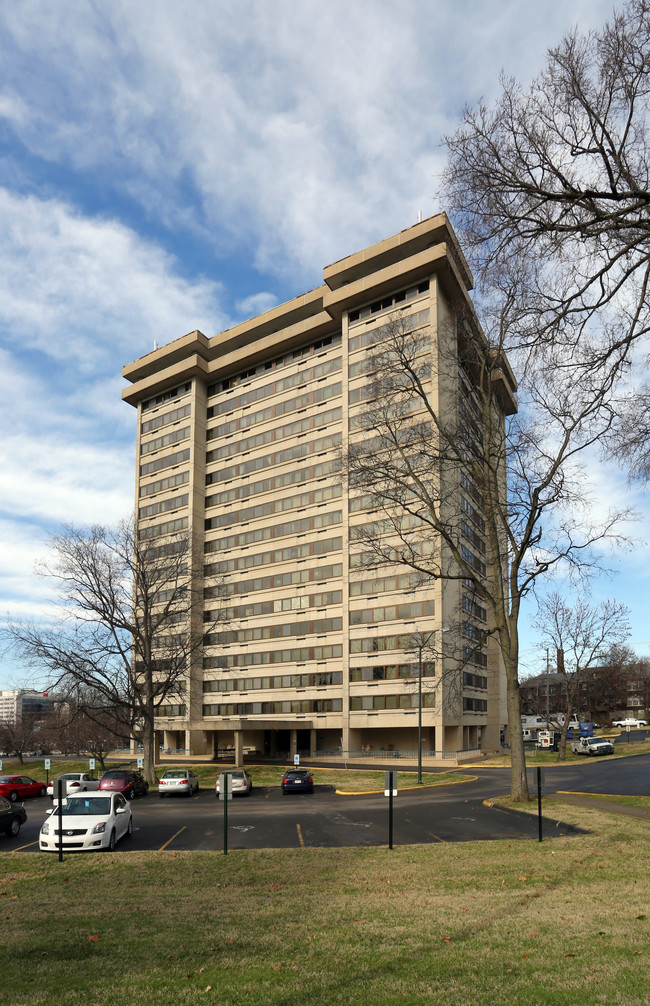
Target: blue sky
point(165, 168)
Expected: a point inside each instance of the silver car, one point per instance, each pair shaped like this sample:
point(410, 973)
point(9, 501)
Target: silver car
point(178, 782)
point(242, 784)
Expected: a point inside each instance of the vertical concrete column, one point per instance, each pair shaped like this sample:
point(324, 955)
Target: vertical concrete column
point(312, 742)
point(239, 747)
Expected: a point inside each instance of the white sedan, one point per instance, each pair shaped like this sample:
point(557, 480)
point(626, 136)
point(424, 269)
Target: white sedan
point(90, 822)
point(75, 782)
point(178, 781)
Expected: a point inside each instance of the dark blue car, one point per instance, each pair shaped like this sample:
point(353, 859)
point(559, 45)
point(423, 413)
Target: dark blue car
point(297, 780)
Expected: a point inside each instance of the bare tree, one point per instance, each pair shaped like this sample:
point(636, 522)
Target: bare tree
point(16, 738)
point(549, 189)
point(92, 724)
point(123, 632)
point(581, 633)
point(458, 493)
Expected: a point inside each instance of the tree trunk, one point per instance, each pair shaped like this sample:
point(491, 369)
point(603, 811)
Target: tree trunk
point(518, 779)
point(148, 744)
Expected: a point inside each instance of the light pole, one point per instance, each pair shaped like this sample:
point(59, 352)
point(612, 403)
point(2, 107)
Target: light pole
point(422, 642)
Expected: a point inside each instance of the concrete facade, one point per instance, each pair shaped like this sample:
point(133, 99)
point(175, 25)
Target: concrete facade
point(238, 440)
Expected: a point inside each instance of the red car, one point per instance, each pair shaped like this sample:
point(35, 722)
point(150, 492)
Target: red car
point(17, 787)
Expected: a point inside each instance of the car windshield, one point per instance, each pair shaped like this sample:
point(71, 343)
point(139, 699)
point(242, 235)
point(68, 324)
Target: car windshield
point(91, 806)
point(176, 774)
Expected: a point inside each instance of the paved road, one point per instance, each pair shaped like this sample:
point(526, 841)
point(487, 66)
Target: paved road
point(267, 819)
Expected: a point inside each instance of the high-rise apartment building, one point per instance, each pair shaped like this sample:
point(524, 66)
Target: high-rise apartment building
point(238, 441)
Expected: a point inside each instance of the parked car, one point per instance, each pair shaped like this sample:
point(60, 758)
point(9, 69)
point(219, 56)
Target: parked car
point(17, 787)
point(90, 822)
point(124, 780)
point(75, 782)
point(178, 781)
point(297, 780)
point(630, 721)
point(12, 816)
point(242, 784)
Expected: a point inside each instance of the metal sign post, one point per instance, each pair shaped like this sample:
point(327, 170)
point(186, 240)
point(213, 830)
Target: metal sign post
point(540, 783)
point(61, 785)
point(225, 794)
point(390, 790)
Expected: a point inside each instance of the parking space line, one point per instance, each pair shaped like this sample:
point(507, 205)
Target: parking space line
point(300, 838)
point(431, 833)
point(21, 847)
point(172, 838)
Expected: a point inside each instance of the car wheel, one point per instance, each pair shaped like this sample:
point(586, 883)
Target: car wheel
point(129, 829)
point(14, 827)
point(42, 791)
point(111, 842)
point(131, 795)
point(13, 796)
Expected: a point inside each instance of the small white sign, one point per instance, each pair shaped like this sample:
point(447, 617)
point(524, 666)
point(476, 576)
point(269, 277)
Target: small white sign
point(91, 763)
point(390, 783)
point(140, 762)
point(296, 759)
point(47, 764)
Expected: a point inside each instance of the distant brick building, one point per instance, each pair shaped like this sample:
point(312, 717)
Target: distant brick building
point(604, 693)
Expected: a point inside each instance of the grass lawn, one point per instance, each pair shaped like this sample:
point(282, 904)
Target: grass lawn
point(502, 923)
point(628, 801)
point(344, 780)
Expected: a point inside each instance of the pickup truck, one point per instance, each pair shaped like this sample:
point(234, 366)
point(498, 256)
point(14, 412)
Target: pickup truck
point(592, 746)
point(629, 722)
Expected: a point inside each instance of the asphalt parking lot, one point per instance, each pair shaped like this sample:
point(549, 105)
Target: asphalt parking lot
point(269, 819)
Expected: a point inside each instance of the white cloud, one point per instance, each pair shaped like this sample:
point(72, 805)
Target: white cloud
point(90, 290)
point(303, 130)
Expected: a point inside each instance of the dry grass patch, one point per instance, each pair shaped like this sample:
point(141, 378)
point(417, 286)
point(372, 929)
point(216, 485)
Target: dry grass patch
point(488, 922)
